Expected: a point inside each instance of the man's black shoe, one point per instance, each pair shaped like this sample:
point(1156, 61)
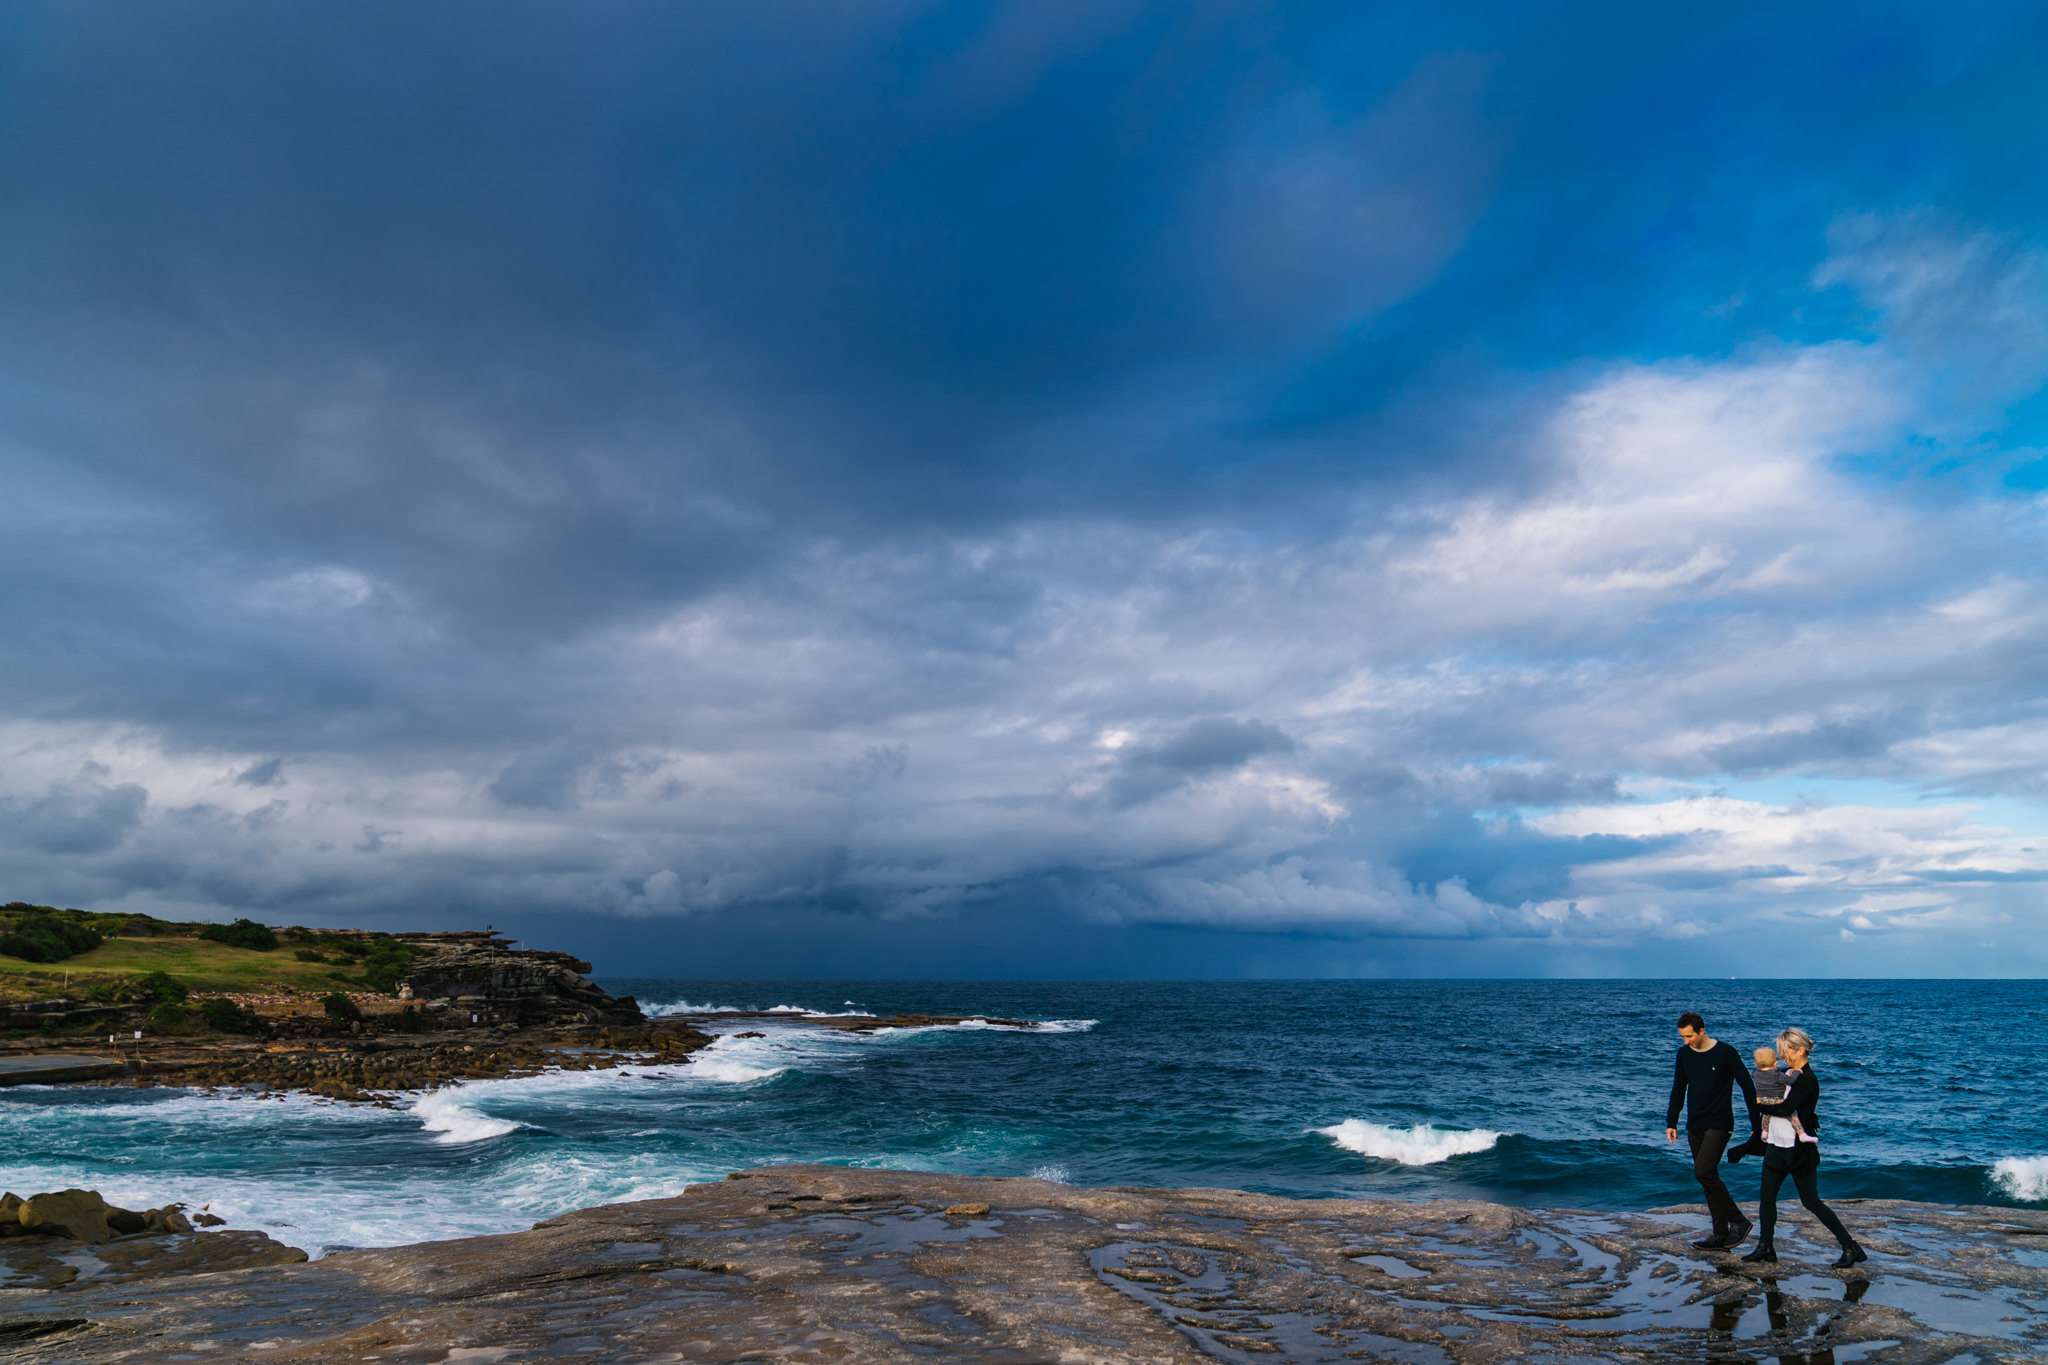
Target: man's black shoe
point(1734, 1237)
point(1712, 1240)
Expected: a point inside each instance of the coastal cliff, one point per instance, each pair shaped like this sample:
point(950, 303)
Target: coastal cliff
point(821, 1263)
point(347, 1014)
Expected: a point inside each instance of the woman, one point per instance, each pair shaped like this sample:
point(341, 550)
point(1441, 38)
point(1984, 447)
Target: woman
point(1796, 1152)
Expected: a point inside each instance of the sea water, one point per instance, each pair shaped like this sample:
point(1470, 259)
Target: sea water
point(1547, 1094)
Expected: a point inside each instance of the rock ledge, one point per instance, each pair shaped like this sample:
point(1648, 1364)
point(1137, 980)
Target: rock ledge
point(814, 1263)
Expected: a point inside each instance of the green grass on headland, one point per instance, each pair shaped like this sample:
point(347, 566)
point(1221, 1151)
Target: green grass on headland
point(307, 960)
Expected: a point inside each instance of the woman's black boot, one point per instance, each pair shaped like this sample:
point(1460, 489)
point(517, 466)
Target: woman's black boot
point(1764, 1252)
point(1851, 1255)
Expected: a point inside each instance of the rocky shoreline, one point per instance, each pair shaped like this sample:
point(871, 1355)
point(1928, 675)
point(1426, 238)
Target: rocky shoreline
point(819, 1263)
point(471, 1006)
point(375, 1065)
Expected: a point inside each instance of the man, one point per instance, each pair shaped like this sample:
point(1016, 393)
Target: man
point(1706, 1069)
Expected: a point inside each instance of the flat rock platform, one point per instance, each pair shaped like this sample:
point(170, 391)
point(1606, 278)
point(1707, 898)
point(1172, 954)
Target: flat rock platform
point(54, 1067)
point(832, 1264)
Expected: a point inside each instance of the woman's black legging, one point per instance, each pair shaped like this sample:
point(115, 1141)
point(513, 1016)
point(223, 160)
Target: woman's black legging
point(1802, 1163)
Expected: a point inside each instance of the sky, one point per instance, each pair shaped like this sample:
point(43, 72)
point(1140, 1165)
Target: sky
point(1096, 489)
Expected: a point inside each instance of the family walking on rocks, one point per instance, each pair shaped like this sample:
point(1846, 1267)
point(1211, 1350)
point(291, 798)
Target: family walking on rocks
point(1784, 1130)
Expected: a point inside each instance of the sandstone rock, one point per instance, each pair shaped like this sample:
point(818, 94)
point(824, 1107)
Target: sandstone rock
point(69, 1213)
point(481, 975)
point(171, 1218)
point(780, 1264)
point(966, 1210)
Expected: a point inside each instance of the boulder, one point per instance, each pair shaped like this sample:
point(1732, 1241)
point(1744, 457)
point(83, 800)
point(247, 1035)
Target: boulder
point(171, 1218)
point(81, 1214)
point(967, 1210)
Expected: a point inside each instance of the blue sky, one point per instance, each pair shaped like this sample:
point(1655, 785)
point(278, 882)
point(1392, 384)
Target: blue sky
point(1105, 489)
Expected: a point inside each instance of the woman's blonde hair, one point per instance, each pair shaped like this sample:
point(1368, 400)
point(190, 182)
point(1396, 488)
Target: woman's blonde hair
point(1795, 1038)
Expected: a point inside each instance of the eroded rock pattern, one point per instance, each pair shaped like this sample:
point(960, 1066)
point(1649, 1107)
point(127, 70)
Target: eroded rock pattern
point(822, 1264)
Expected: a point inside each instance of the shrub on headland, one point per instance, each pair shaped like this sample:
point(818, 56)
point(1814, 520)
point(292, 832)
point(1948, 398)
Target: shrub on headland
point(387, 963)
point(158, 986)
point(243, 933)
point(225, 1016)
point(168, 1017)
point(340, 1009)
point(41, 933)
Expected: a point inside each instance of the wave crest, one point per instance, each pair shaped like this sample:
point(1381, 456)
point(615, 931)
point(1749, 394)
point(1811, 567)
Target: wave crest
point(444, 1113)
point(676, 1007)
point(2022, 1177)
point(1422, 1145)
point(731, 1060)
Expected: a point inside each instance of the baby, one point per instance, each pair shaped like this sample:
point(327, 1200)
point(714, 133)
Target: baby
point(1771, 1084)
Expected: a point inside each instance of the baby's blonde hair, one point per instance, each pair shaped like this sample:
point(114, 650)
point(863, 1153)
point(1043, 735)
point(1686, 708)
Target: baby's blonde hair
point(1764, 1058)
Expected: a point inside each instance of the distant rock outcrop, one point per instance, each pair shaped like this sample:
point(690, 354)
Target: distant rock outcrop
point(479, 973)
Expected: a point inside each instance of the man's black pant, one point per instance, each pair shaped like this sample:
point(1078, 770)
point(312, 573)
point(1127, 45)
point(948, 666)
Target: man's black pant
point(1707, 1146)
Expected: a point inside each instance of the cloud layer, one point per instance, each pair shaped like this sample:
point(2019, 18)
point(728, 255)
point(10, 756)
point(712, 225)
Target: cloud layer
point(1033, 471)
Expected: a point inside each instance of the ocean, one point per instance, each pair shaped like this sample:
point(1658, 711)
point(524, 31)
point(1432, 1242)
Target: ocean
point(1538, 1093)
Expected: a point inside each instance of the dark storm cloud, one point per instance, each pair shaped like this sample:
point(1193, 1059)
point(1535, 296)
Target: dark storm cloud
point(1212, 745)
point(84, 815)
point(268, 773)
point(666, 459)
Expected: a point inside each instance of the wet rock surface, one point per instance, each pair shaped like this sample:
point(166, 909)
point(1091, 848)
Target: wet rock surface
point(834, 1264)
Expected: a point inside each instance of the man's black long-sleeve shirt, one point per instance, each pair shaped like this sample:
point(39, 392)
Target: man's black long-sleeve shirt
point(1700, 1087)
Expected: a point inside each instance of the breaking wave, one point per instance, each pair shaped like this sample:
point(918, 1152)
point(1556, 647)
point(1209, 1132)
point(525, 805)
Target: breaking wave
point(2022, 1177)
point(1422, 1145)
point(676, 1007)
point(732, 1061)
point(443, 1112)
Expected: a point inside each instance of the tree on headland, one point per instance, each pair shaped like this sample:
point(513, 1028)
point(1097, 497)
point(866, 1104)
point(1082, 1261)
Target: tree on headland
point(243, 933)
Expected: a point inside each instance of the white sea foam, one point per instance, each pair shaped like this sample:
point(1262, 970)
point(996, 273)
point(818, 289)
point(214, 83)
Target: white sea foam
point(734, 1061)
point(443, 1112)
point(1066, 1025)
point(676, 1007)
point(2022, 1177)
point(1422, 1145)
point(1057, 1174)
